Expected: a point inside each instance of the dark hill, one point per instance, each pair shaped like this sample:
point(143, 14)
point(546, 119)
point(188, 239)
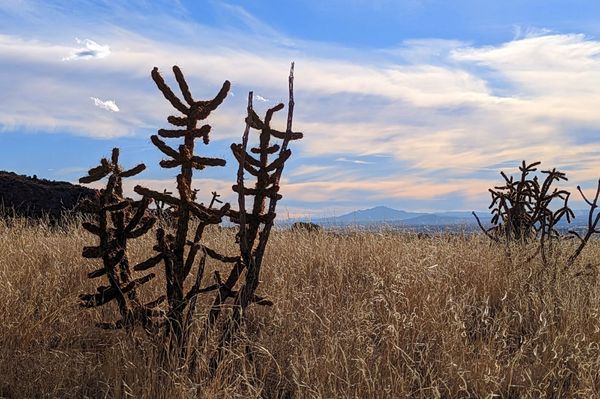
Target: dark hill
point(32, 197)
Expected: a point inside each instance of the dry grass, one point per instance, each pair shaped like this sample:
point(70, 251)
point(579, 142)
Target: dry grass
point(359, 315)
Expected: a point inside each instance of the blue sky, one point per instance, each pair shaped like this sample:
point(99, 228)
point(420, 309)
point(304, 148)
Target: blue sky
point(413, 104)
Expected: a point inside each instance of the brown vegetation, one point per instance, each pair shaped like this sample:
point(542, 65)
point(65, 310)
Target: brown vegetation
point(306, 226)
point(171, 248)
point(525, 209)
point(356, 315)
point(116, 221)
point(593, 224)
point(255, 226)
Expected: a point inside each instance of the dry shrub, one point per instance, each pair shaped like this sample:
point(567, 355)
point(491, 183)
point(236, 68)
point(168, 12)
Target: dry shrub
point(361, 315)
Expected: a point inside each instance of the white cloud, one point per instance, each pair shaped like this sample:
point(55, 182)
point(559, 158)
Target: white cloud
point(108, 105)
point(261, 98)
point(90, 50)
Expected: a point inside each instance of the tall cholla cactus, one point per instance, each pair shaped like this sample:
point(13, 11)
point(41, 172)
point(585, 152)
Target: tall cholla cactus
point(265, 194)
point(172, 249)
point(118, 220)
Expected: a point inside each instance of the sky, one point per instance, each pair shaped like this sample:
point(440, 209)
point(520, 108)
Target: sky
point(413, 104)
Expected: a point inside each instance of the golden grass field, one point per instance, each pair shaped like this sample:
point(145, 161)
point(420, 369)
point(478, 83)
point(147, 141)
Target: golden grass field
point(360, 315)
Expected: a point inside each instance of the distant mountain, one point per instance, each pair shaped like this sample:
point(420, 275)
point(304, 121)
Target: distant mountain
point(383, 215)
point(445, 220)
point(379, 214)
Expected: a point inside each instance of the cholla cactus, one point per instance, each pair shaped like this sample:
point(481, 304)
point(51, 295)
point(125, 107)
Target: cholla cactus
point(182, 249)
point(255, 226)
point(593, 223)
point(524, 208)
point(172, 248)
point(118, 220)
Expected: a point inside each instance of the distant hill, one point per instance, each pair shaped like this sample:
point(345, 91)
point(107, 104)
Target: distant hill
point(379, 214)
point(453, 220)
point(388, 216)
point(32, 197)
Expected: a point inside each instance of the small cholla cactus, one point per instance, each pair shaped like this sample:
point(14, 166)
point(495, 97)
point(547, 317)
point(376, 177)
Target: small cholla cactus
point(525, 208)
point(593, 225)
point(117, 220)
point(528, 208)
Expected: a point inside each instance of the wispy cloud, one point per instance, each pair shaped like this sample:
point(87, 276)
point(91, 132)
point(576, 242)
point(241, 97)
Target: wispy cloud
point(356, 161)
point(89, 50)
point(381, 189)
point(304, 170)
point(261, 98)
point(108, 105)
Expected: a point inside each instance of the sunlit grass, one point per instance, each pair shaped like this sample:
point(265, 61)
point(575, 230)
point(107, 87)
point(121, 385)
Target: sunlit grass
point(356, 315)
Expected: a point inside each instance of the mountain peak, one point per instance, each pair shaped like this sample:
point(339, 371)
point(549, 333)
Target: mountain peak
point(377, 214)
point(381, 207)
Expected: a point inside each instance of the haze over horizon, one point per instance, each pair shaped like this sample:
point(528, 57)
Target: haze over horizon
point(416, 105)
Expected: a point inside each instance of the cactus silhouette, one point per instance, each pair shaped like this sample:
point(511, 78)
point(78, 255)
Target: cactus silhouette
point(172, 248)
point(118, 220)
point(254, 226)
